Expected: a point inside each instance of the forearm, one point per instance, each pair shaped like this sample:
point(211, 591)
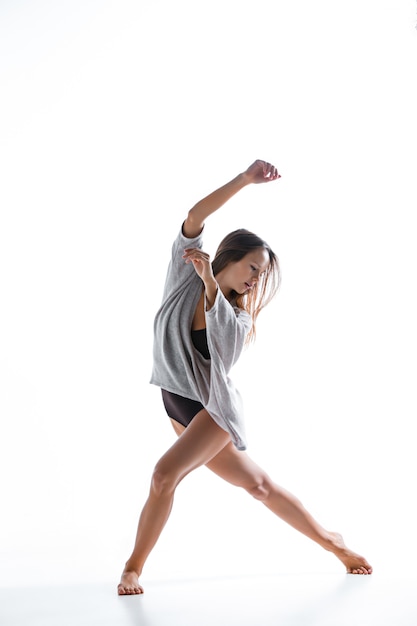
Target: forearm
point(258, 172)
point(210, 288)
point(197, 215)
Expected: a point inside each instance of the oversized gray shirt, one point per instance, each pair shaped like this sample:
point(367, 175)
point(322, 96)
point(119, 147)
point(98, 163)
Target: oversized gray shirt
point(178, 367)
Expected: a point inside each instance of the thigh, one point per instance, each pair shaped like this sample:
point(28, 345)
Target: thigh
point(233, 465)
point(237, 468)
point(179, 428)
point(202, 440)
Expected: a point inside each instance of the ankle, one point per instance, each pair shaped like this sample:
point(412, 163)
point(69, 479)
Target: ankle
point(334, 543)
point(131, 566)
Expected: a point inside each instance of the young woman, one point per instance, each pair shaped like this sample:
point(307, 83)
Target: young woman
point(207, 315)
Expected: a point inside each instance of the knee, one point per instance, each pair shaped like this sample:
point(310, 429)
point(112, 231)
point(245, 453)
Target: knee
point(260, 489)
point(163, 481)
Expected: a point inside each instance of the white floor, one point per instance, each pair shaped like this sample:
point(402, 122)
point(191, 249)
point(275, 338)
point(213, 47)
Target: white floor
point(285, 600)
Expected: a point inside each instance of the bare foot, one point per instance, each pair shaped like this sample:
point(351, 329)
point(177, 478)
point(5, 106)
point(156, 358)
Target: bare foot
point(354, 563)
point(129, 584)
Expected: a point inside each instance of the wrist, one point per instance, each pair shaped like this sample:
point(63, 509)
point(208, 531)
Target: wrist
point(243, 179)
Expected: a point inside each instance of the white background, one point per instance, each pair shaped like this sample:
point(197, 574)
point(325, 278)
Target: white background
point(116, 117)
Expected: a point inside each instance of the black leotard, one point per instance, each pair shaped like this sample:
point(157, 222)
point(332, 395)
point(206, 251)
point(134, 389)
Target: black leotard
point(181, 409)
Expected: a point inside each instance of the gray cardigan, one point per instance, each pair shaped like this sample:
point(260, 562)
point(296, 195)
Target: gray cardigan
point(178, 367)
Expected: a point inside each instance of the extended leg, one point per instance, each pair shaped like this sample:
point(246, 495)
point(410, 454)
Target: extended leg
point(237, 468)
point(201, 441)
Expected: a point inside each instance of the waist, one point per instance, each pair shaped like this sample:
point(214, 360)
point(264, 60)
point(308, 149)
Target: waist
point(199, 339)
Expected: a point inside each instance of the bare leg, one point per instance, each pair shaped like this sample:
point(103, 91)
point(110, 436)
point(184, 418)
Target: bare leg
point(237, 468)
point(199, 443)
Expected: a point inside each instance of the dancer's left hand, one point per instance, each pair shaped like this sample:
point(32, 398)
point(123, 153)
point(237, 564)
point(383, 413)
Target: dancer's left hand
point(261, 172)
point(200, 261)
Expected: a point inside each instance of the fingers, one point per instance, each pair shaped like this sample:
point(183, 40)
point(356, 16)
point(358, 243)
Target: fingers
point(195, 254)
point(200, 261)
point(262, 172)
point(270, 172)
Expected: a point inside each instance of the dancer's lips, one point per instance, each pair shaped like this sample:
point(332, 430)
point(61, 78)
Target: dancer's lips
point(248, 286)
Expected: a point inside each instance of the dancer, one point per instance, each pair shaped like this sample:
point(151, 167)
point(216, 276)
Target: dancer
point(208, 313)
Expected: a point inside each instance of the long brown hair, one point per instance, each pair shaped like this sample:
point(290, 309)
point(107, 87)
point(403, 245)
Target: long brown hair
point(233, 248)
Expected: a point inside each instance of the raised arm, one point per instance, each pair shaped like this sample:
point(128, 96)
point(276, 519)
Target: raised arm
point(258, 172)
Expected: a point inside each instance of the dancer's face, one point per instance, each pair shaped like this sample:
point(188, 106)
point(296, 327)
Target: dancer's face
point(243, 275)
